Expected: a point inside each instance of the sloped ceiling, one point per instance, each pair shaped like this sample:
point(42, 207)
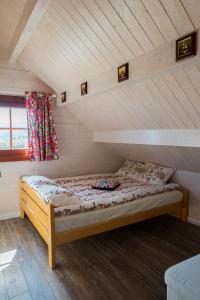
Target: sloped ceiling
point(78, 40)
point(14, 78)
point(170, 100)
point(183, 158)
point(10, 15)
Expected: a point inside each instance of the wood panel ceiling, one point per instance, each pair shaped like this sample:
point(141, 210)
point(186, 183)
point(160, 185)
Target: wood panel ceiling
point(80, 39)
point(77, 40)
point(10, 14)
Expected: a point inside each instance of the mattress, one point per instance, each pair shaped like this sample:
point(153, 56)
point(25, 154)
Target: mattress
point(67, 222)
point(75, 195)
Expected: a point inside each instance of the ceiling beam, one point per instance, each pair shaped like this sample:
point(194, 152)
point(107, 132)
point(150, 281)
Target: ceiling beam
point(164, 137)
point(32, 14)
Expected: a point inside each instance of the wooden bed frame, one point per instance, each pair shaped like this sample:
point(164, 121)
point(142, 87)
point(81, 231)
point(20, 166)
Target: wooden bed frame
point(42, 217)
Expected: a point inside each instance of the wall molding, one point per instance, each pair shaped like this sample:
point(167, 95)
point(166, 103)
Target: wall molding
point(194, 221)
point(164, 137)
point(9, 215)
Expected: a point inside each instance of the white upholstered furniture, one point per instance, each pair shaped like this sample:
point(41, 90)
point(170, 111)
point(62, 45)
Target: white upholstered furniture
point(183, 280)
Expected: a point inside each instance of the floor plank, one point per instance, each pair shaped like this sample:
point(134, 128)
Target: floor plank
point(25, 296)
point(37, 284)
point(15, 281)
point(20, 237)
point(127, 263)
point(3, 290)
point(5, 239)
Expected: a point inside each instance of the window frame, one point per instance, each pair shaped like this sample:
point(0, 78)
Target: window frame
point(12, 154)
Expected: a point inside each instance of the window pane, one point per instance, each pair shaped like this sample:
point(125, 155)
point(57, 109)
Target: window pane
point(4, 139)
point(4, 117)
point(19, 139)
point(19, 119)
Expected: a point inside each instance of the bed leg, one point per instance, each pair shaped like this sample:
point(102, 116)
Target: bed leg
point(22, 213)
point(185, 208)
point(51, 232)
point(182, 213)
point(51, 256)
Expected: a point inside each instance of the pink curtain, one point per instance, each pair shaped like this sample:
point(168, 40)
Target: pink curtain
point(42, 135)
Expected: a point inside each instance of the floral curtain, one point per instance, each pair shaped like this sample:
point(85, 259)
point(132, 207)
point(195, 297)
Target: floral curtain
point(42, 139)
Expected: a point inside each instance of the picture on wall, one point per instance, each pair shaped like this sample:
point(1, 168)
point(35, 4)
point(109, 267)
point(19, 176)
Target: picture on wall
point(84, 89)
point(123, 72)
point(186, 46)
point(63, 97)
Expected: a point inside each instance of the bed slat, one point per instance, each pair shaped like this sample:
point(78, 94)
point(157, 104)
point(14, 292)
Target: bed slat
point(42, 216)
point(35, 221)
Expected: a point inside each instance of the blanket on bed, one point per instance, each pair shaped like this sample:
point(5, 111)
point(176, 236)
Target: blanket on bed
point(72, 195)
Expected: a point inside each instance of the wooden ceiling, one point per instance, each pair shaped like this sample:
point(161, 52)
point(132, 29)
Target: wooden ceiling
point(80, 39)
point(10, 16)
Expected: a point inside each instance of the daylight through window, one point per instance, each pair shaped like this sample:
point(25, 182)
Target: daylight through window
point(13, 128)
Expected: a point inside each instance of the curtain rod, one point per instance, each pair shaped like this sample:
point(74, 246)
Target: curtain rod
point(28, 92)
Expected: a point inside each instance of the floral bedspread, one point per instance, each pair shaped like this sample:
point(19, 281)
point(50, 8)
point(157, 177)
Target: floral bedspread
point(91, 199)
point(73, 195)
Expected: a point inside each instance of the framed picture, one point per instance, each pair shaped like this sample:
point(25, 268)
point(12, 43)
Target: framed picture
point(84, 89)
point(186, 46)
point(63, 97)
point(123, 72)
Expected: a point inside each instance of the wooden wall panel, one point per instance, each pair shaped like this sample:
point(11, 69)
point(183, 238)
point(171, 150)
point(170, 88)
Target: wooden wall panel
point(166, 101)
point(186, 160)
point(182, 158)
point(79, 40)
point(16, 80)
point(78, 155)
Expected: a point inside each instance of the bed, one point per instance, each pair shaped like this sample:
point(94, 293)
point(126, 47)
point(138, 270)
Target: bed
point(131, 202)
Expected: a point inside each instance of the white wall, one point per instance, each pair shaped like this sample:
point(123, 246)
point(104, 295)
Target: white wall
point(185, 159)
point(14, 79)
point(191, 181)
point(78, 155)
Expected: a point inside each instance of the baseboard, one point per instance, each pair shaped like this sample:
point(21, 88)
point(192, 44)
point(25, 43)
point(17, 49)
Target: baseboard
point(194, 221)
point(9, 216)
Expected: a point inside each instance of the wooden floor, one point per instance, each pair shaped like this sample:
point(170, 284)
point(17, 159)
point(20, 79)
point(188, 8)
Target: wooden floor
point(127, 263)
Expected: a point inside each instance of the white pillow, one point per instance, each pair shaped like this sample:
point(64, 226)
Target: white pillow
point(146, 172)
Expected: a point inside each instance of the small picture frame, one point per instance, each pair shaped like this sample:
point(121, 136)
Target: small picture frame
point(84, 88)
point(63, 97)
point(123, 72)
point(186, 46)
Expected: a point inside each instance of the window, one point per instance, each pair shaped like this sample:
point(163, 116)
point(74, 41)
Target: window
point(13, 129)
